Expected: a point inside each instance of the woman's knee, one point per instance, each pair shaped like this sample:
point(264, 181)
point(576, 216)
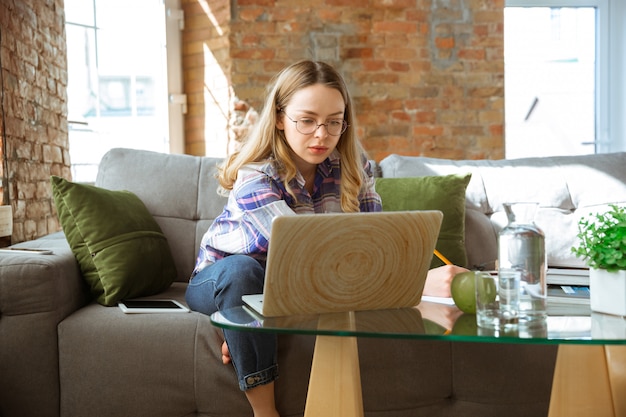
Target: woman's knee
point(239, 273)
point(222, 284)
point(200, 293)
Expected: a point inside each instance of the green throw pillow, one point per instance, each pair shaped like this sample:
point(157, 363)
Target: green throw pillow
point(120, 248)
point(445, 193)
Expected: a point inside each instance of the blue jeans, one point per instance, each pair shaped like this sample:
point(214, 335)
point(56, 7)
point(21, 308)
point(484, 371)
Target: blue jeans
point(219, 287)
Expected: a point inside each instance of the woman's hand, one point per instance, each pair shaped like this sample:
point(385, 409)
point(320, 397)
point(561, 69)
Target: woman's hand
point(442, 314)
point(439, 280)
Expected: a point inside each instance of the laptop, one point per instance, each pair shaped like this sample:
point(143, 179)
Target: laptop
point(338, 262)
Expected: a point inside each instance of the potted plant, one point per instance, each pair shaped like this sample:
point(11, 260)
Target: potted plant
point(603, 245)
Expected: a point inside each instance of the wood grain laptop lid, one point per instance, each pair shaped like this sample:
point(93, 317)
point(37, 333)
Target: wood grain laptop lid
point(346, 262)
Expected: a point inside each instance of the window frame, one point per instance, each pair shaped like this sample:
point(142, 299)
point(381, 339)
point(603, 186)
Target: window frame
point(174, 59)
point(609, 129)
point(170, 43)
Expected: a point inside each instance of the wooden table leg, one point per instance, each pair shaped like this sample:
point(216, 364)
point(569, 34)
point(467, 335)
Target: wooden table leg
point(589, 380)
point(616, 362)
point(335, 383)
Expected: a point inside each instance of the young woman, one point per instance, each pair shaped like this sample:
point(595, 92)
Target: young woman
point(302, 157)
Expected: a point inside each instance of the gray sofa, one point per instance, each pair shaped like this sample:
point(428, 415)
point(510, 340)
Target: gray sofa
point(61, 354)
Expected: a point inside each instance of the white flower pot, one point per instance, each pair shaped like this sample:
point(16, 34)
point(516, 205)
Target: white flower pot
point(608, 291)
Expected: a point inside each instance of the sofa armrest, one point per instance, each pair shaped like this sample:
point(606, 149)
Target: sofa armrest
point(36, 293)
point(31, 284)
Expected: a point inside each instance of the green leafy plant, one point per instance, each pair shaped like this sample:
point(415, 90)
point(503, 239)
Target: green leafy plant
point(603, 239)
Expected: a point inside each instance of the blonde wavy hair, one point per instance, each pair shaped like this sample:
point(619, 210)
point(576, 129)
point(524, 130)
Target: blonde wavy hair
point(266, 141)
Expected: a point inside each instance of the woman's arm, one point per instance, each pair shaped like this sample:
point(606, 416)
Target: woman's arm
point(245, 224)
point(369, 200)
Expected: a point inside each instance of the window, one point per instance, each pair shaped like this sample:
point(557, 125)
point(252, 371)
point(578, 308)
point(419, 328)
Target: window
point(558, 68)
point(117, 80)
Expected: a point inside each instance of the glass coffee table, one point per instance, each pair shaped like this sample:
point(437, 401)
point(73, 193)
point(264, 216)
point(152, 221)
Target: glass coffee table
point(589, 375)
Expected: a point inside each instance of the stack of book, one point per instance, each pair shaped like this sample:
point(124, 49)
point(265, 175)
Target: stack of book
point(568, 292)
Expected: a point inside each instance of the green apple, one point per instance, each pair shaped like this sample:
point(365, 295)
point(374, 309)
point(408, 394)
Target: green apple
point(463, 290)
point(465, 325)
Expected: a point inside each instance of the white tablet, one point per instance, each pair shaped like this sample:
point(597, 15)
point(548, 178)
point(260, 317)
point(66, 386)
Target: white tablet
point(152, 306)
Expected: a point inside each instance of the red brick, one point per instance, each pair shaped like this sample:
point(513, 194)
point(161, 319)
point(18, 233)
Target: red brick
point(496, 130)
point(358, 53)
point(250, 39)
point(375, 78)
point(398, 142)
point(466, 131)
point(392, 27)
point(415, 15)
point(251, 14)
point(280, 14)
point(444, 43)
point(329, 15)
point(472, 54)
point(490, 16)
point(428, 130)
point(254, 54)
point(373, 65)
point(268, 3)
point(487, 91)
point(481, 30)
point(399, 66)
point(351, 3)
point(488, 117)
point(396, 54)
point(366, 119)
point(393, 4)
point(401, 116)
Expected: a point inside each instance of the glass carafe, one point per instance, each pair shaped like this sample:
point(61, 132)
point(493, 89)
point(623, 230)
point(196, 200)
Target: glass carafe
point(522, 266)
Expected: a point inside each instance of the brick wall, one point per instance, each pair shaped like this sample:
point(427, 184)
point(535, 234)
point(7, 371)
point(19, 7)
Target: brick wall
point(427, 76)
point(33, 112)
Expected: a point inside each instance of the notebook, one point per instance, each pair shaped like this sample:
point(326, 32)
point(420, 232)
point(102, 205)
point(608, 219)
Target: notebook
point(325, 263)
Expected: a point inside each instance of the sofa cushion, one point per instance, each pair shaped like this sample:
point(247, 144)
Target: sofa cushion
point(566, 188)
point(121, 250)
point(180, 192)
point(445, 193)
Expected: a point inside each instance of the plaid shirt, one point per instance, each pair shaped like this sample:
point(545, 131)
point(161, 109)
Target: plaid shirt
point(259, 195)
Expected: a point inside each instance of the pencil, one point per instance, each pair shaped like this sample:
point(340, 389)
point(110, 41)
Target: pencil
point(442, 258)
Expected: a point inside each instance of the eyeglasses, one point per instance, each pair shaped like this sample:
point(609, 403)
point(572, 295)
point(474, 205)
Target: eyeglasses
point(306, 126)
